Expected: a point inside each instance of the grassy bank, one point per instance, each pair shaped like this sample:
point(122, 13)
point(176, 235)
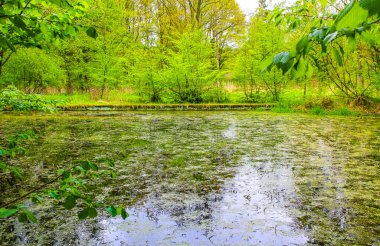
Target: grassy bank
point(291, 101)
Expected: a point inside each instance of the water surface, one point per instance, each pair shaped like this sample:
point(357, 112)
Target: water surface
point(209, 178)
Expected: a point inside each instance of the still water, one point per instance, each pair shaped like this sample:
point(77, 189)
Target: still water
point(208, 178)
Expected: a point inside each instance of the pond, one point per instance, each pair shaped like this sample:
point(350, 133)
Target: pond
point(209, 178)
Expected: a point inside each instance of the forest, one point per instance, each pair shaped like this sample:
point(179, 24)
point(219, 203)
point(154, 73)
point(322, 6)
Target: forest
point(312, 54)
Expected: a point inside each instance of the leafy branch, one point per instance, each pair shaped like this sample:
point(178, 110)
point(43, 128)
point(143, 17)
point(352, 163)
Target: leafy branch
point(71, 182)
point(353, 20)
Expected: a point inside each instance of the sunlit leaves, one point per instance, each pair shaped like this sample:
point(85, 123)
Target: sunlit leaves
point(352, 16)
point(324, 3)
point(300, 68)
point(351, 21)
point(32, 25)
point(112, 210)
point(24, 215)
point(13, 99)
point(117, 211)
point(5, 213)
point(267, 64)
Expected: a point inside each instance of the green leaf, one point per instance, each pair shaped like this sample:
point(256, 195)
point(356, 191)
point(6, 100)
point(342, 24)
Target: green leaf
point(373, 6)
point(301, 68)
point(341, 49)
point(112, 210)
point(65, 174)
point(302, 44)
point(330, 38)
point(107, 161)
point(3, 152)
point(310, 71)
point(37, 199)
point(92, 213)
point(18, 22)
point(91, 32)
point(86, 165)
point(70, 30)
point(337, 56)
point(83, 214)
point(62, 3)
point(3, 165)
point(54, 195)
point(81, 169)
point(70, 202)
point(281, 58)
point(5, 213)
point(352, 43)
point(93, 166)
point(344, 12)
point(318, 34)
point(124, 213)
point(324, 3)
point(267, 64)
point(351, 16)
point(17, 173)
point(22, 218)
point(113, 174)
point(284, 61)
point(30, 216)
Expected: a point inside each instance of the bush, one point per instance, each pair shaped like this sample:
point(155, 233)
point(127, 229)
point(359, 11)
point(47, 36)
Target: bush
point(15, 100)
point(318, 111)
point(216, 95)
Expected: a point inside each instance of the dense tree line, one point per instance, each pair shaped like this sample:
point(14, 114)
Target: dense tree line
point(189, 50)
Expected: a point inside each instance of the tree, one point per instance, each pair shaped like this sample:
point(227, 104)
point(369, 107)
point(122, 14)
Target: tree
point(27, 23)
point(106, 65)
point(264, 39)
point(190, 73)
point(357, 19)
point(33, 71)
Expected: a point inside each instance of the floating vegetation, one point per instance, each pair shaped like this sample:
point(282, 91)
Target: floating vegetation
point(209, 178)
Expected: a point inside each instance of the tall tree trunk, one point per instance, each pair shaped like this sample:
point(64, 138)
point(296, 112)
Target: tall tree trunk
point(104, 86)
point(69, 84)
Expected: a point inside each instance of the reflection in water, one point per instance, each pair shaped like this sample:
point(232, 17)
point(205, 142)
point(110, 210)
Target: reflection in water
point(250, 209)
point(212, 178)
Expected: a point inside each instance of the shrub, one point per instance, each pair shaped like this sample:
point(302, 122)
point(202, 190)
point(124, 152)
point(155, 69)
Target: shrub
point(13, 99)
